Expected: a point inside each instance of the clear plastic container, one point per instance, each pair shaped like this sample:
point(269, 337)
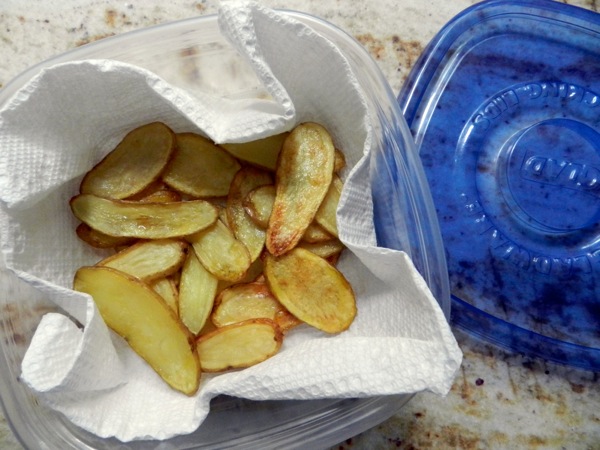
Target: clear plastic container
point(191, 54)
point(504, 105)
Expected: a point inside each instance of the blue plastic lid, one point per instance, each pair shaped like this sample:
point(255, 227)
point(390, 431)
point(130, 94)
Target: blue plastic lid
point(504, 106)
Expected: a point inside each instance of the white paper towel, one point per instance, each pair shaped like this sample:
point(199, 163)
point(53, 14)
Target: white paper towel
point(70, 115)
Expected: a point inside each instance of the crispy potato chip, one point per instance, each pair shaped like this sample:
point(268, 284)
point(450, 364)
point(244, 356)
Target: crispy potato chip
point(239, 345)
point(220, 252)
point(161, 196)
point(197, 291)
point(134, 311)
point(167, 289)
point(315, 234)
point(304, 173)
point(208, 328)
point(311, 289)
point(261, 152)
point(143, 220)
point(324, 249)
point(136, 162)
point(286, 320)
point(254, 271)
point(243, 227)
point(155, 186)
point(339, 161)
point(258, 205)
point(223, 216)
point(326, 214)
point(200, 168)
point(149, 260)
point(246, 301)
point(100, 240)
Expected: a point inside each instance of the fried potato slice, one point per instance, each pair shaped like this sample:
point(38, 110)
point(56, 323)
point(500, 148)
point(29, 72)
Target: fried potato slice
point(258, 205)
point(100, 240)
point(200, 168)
point(246, 301)
point(243, 227)
point(149, 260)
point(339, 161)
point(220, 252)
point(254, 271)
point(197, 291)
point(324, 249)
point(311, 289)
point(315, 234)
point(167, 289)
point(261, 152)
point(326, 214)
point(138, 314)
point(155, 186)
point(143, 220)
point(239, 345)
point(136, 162)
point(161, 196)
point(304, 173)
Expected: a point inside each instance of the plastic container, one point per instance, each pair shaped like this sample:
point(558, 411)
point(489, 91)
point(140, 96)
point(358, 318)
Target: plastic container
point(191, 54)
point(504, 106)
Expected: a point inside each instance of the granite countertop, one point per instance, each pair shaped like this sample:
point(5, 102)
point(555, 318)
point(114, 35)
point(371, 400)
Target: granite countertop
point(499, 400)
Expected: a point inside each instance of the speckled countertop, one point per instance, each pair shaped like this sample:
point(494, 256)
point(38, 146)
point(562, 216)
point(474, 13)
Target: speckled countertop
point(499, 400)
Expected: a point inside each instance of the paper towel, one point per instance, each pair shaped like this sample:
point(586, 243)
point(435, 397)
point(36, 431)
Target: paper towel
point(66, 118)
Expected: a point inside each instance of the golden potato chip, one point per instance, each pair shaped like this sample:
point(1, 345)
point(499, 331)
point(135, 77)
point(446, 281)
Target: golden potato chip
point(138, 314)
point(315, 234)
point(326, 214)
point(220, 252)
point(155, 186)
point(311, 289)
point(161, 196)
point(167, 289)
point(149, 260)
point(197, 291)
point(258, 205)
point(243, 227)
point(260, 152)
point(239, 345)
point(100, 240)
point(200, 168)
point(324, 249)
point(254, 271)
point(143, 220)
point(304, 173)
point(246, 301)
point(135, 163)
point(339, 161)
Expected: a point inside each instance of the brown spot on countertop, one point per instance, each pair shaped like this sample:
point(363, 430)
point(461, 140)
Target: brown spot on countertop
point(88, 39)
point(407, 51)
point(577, 388)
point(376, 47)
point(110, 17)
